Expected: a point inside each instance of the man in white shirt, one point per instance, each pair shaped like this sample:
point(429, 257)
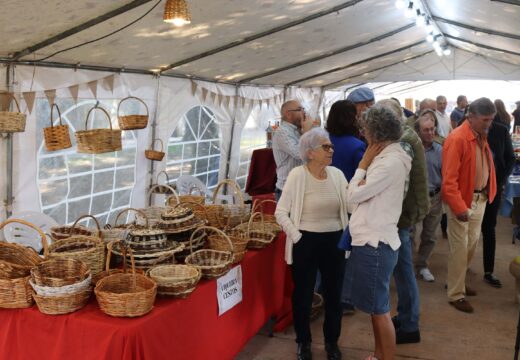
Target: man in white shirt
point(444, 126)
point(285, 142)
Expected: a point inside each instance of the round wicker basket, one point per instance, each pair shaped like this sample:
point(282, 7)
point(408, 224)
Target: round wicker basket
point(258, 238)
point(132, 122)
point(177, 281)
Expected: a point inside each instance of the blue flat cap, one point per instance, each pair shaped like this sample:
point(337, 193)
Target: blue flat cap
point(362, 94)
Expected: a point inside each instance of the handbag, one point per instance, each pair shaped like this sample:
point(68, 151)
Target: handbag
point(345, 241)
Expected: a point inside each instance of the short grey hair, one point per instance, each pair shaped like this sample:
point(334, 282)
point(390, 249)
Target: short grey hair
point(482, 106)
point(383, 124)
point(311, 140)
point(394, 105)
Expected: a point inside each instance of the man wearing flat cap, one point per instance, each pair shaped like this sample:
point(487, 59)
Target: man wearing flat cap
point(363, 98)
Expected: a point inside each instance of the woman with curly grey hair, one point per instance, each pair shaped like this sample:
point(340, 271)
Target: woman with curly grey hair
point(313, 213)
point(375, 196)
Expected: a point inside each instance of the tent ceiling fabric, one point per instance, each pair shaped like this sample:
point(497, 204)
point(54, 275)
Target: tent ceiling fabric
point(151, 43)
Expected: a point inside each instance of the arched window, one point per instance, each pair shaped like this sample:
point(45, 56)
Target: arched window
point(72, 184)
point(194, 147)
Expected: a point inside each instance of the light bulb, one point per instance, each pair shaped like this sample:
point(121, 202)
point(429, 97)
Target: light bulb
point(179, 22)
point(438, 51)
point(447, 51)
point(429, 38)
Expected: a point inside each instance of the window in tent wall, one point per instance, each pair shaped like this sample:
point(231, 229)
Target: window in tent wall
point(73, 184)
point(253, 137)
point(194, 147)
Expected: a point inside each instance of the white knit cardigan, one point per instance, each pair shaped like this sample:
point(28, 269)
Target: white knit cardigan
point(290, 206)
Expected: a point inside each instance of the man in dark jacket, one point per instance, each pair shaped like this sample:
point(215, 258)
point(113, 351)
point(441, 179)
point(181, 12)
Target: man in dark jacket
point(503, 158)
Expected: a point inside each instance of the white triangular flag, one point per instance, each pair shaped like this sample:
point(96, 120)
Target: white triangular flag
point(193, 87)
point(51, 94)
point(204, 94)
point(74, 90)
point(29, 100)
point(109, 83)
point(92, 85)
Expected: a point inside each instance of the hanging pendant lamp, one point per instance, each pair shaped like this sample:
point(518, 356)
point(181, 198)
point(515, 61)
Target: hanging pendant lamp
point(177, 12)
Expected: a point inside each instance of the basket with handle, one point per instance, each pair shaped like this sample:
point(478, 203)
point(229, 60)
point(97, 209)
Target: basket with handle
point(269, 220)
point(90, 249)
point(238, 238)
point(212, 263)
point(132, 122)
point(232, 214)
point(118, 232)
point(98, 141)
point(56, 137)
point(154, 212)
point(162, 189)
point(109, 271)
point(258, 238)
point(16, 260)
point(155, 155)
point(190, 197)
point(15, 293)
point(124, 294)
point(12, 121)
point(177, 281)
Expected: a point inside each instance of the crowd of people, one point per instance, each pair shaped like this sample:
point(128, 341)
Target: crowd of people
point(350, 197)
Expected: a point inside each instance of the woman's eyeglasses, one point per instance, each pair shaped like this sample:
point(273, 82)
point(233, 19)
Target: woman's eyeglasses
point(327, 147)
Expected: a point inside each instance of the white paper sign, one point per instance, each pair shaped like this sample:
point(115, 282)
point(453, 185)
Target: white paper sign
point(229, 289)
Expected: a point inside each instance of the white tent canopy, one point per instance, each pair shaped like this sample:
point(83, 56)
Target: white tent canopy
point(222, 79)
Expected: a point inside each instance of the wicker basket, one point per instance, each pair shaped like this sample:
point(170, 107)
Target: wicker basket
point(118, 232)
point(109, 271)
point(258, 238)
point(177, 281)
point(267, 221)
point(89, 249)
point(212, 263)
point(132, 122)
point(58, 305)
point(59, 272)
point(56, 137)
point(154, 212)
point(98, 141)
point(15, 260)
point(232, 214)
point(155, 155)
point(188, 198)
point(126, 295)
point(239, 240)
point(12, 121)
point(15, 293)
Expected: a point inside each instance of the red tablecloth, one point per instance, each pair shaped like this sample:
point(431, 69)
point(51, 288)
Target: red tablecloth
point(262, 173)
point(175, 329)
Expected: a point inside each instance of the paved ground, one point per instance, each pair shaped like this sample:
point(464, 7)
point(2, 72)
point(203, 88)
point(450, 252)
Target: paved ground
point(487, 334)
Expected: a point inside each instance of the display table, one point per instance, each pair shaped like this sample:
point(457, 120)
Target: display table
point(175, 329)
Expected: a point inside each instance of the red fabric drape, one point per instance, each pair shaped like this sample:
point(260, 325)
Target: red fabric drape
point(262, 173)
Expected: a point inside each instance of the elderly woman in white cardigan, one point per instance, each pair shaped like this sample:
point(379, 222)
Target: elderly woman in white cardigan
point(313, 213)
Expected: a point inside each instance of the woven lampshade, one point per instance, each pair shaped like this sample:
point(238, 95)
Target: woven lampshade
point(177, 12)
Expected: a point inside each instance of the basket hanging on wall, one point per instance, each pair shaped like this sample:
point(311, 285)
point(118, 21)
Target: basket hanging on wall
point(57, 137)
point(97, 141)
point(12, 121)
point(154, 154)
point(132, 122)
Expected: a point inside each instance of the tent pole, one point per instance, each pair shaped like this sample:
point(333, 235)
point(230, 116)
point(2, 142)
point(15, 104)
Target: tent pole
point(153, 126)
point(8, 203)
point(232, 134)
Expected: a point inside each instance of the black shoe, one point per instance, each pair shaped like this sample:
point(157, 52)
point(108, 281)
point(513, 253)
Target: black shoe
point(348, 308)
point(304, 351)
point(403, 337)
point(492, 280)
point(333, 352)
point(396, 322)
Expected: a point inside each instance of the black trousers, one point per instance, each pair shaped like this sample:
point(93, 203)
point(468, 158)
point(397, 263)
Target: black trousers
point(489, 222)
point(317, 251)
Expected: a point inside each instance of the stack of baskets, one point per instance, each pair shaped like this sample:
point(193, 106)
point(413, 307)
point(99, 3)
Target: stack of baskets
point(126, 294)
point(61, 286)
point(177, 281)
point(15, 265)
point(212, 263)
point(90, 249)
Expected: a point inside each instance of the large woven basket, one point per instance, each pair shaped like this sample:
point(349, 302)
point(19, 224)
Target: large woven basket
point(126, 295)
point(232, 214)
point(64, 304)
point(188, 198)
point(97, 141)
point(177, 281)
point(90, 249)
point(59, 272)
point(132, 122)
point(155, 155)
point(239, 240)
point(258, 238)
point(118, 231)
point(15, 293)
point(16, 260)
point(212, 263)
point(56, 137)
point(12, 121)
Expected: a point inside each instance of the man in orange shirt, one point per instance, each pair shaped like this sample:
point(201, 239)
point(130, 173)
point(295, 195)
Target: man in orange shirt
point(468, 182)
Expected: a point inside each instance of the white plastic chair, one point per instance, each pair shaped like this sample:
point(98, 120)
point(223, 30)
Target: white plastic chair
point(26, 236)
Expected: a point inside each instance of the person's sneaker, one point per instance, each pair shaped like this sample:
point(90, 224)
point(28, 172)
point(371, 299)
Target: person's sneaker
point(403, 337)
point(333, 352)
point(304, 351)
point(426, 275)
point(348, 308)
point(470, 291)
point(492, 280)
point(462, 305)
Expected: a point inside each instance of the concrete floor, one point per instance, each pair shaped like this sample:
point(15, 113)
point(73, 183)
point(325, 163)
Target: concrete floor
point(488, 333)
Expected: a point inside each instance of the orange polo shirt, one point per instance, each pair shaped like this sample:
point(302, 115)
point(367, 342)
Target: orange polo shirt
point(459, 169)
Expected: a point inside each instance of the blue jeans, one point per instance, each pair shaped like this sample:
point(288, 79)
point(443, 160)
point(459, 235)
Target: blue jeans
point(346, 292)
point(406, 285)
